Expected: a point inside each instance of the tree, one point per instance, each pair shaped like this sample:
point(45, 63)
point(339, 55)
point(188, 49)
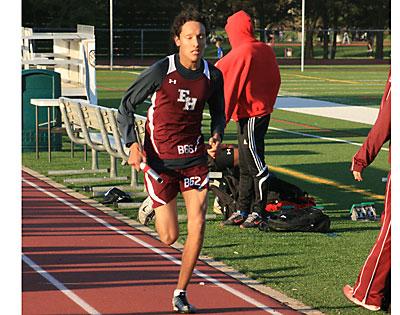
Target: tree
point(326, 14)
point(311, 19)
point(57, 13)
point(371, 14)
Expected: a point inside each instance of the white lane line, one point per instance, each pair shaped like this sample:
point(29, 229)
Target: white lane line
point(237, 293)
point(75, 298)
point(135, 72)
point(231, 290)
point(319, 137)
point(314, 136)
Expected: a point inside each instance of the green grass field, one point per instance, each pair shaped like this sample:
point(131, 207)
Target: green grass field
point(350, 85)
point(307, 266)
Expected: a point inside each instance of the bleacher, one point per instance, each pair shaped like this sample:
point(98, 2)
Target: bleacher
point(96, 126)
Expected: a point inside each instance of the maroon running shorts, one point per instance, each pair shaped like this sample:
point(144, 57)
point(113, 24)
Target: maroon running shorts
point(174, 181)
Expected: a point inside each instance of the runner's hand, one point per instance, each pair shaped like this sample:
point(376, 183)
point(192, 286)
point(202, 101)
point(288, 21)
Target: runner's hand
point(214, 142)
point(357, 176)
point(135, 156)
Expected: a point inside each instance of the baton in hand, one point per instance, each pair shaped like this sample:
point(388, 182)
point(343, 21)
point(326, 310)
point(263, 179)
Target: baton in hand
point(148, 170)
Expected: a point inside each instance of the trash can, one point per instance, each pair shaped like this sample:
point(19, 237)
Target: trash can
point(40, 84)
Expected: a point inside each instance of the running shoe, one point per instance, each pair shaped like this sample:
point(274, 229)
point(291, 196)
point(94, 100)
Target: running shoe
point(235, 219)
point(252, 221)
point(181, 304)
point(217, 207)
point(146, 212)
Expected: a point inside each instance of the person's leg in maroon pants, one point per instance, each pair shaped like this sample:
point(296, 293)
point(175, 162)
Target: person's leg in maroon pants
point(369, 288)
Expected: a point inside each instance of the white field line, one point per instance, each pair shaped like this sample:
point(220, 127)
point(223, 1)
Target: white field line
point(297, 80)
point(364, 86)
point(135, 72)
point(319, 137)
point(282, 92)
point(314, 136)
point(60, 286)
point(231, 290)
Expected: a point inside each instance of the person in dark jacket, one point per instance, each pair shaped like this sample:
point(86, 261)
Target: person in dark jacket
point(369, 289)
point(251, 85)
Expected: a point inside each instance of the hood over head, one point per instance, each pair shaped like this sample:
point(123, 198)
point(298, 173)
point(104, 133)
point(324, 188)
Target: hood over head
point(239, 28)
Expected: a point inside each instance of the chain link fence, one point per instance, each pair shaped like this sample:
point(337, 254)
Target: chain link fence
point(131, 45)
point(320, 43)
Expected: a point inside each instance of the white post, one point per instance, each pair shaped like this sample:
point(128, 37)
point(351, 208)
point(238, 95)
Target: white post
point(303, 9)
point(89, 48)
point(111, 35)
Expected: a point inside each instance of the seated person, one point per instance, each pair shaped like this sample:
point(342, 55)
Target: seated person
point(227, 157)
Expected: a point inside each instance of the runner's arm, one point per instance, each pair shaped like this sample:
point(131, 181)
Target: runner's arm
point(378, 135)
point(217, 111)
point(146, 84)
point(216, 103)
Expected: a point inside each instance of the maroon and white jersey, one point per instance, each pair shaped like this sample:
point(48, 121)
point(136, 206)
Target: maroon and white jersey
point(174, 118)
point(178, 96)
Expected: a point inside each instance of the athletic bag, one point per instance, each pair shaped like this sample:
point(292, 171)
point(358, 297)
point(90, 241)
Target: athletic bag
point(227, 193)
point(280, 194)
point(290, 219)
point(115, 195)
point(283, 194)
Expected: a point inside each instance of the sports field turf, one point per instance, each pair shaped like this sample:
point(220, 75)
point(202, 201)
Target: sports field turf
point(309, 267)
point(351, 85)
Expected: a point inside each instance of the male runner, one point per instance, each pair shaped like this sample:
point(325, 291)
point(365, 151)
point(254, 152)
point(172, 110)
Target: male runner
point(251, 85)
point(179, 86)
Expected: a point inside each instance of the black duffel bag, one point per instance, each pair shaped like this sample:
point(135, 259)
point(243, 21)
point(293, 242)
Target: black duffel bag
point(291, 219)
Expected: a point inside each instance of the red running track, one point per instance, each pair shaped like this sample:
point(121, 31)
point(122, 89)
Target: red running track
point(79, 260)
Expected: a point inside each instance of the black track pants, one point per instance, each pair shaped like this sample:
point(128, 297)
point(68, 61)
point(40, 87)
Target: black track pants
point(253, 170)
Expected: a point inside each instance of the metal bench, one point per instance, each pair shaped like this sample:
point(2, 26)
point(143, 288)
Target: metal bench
point(70, 116)
point(97, 127)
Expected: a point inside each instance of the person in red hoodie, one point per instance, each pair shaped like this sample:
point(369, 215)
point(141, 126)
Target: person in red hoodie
point(251, 84)
point(369, 289)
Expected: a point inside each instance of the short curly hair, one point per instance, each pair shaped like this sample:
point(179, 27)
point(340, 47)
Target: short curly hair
point(186, 15)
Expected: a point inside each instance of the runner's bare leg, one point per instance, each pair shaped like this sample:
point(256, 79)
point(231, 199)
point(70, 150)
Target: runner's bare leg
point(196, 207)
point(167, 222)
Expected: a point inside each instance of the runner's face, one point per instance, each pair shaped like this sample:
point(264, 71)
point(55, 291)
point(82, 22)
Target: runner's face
point(191, 43)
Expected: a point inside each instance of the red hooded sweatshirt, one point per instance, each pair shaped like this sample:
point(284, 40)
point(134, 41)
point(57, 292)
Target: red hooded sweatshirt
point(251, 73)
